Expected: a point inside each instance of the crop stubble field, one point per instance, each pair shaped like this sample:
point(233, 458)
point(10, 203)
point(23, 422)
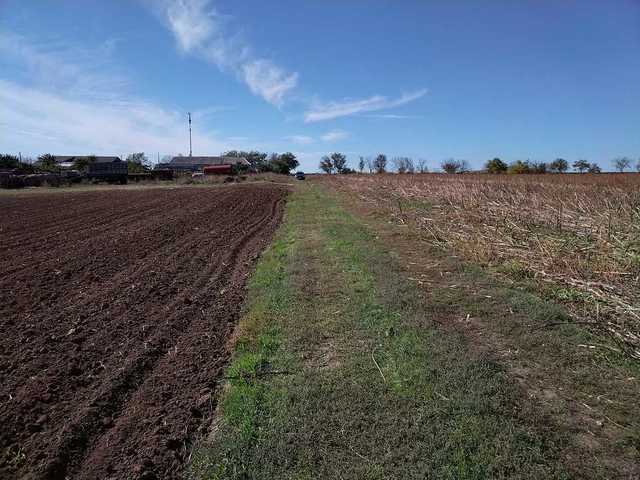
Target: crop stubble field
point(115, 312)
point(578, 235)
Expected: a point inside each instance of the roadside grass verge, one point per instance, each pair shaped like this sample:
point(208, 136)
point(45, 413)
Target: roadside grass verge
point(343, 369)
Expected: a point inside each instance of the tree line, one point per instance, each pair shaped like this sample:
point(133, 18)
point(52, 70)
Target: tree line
point(336, 163)
point(46, 163)
point(260, 162)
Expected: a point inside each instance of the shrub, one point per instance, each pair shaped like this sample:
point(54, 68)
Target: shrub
point(519, 167)
point(495, 166)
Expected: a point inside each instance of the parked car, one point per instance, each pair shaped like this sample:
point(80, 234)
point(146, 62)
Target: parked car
point(300, 175)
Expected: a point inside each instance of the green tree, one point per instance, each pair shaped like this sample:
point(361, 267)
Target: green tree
point(47, 162)
point(538, 167)
point(361, 164)
point(326, 165)
point(496, 166)
point(581, 166)
point(380, 163)
point(283, 163)
point(258, 160)
point(519, 167)
point(138, 163)
point(559, 165)
point(339, 162)
point(621, 163)
point(9, 161)
point(82, 163)
point(594, 168)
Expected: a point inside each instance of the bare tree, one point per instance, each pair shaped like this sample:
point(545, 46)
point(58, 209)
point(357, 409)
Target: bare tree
point(422, 165)
point(621, 163)
point(380, 163)
point(398, 164)
point(411, 168)
point(326, 165)
point(370, 164)
point(452, 165)
point(361, 164)
point(403, 164)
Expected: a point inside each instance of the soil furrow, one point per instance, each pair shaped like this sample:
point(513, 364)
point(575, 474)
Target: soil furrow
point(104, 366)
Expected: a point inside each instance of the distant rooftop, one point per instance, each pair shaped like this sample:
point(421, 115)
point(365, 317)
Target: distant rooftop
point(176, 161)
point(73, 158)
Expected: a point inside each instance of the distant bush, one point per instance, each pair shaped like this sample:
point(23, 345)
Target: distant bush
point(454, 166)
point(495, 166)
point(403, 164)
point(47, 163)
point(559, 165)
point(519, 167)
point(538, 167)
point(11, 162)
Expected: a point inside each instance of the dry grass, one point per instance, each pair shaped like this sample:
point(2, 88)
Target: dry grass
point(578, 235)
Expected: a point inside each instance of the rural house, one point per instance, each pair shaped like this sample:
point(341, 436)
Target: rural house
point(67, 161)
point(197, 164)
point(108, 168)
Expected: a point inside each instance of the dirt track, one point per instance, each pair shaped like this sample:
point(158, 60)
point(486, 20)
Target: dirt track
point(115, 310)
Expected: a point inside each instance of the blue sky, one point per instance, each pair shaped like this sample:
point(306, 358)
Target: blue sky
point(470, 80)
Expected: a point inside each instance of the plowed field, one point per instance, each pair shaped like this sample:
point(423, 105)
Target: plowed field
point(115, 312)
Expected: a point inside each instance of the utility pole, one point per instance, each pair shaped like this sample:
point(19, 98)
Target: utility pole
point(190, 152)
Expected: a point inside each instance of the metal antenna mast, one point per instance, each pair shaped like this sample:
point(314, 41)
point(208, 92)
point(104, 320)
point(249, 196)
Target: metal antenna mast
point(190, 152)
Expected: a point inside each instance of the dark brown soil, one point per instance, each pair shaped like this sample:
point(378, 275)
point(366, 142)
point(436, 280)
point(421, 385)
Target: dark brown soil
point(115, 311)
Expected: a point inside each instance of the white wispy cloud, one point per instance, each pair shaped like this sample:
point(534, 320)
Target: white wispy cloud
point(331, 110)
point(392, 116)
point(329, 137)
point(335, 135)
point(72, 99)
point(36, 121)
point(57, 65)
point(300, 139)
point(192, 22)
point(200, 30)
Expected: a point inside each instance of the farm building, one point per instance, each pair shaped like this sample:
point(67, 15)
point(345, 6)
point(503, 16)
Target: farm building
point(67, 161)
point(99, 168)
point(198, 164)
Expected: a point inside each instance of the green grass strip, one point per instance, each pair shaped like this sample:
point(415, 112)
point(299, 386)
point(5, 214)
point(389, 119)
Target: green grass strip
point(340, 373)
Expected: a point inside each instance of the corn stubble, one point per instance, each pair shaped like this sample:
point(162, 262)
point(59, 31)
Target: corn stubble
point(578, 234)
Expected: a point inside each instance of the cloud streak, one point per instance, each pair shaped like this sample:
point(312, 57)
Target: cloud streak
point(38, 121)
point(300, 139)
point(332, 110)
point(200, 30)
point(56, 65)
point(335, 136)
